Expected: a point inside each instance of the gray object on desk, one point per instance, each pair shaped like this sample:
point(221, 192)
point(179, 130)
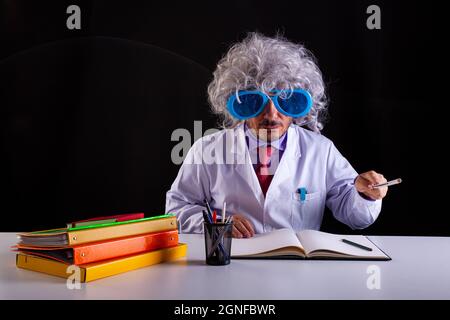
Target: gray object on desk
point(420, 269)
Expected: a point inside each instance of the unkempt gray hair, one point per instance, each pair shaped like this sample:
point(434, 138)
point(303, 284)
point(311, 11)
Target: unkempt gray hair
point(264, 63)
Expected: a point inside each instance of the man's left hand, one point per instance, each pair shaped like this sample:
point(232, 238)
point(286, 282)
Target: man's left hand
point(366, 180)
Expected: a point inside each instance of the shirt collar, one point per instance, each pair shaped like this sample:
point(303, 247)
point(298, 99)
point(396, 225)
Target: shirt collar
point(254, 142)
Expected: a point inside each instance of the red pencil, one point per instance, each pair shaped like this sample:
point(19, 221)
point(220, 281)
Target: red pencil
point(214, 216)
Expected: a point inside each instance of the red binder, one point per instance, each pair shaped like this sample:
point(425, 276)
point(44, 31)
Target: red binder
point(117, 218)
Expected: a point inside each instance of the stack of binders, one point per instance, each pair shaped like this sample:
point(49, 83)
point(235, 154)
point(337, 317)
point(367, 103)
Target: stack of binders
point(101, 247)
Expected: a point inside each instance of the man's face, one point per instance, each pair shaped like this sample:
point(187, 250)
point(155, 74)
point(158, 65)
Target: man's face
point(270, 124)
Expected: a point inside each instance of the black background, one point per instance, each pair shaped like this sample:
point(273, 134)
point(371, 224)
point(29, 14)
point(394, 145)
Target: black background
point(87, 115)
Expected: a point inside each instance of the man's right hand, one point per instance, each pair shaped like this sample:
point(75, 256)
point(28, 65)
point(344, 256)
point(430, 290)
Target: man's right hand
point(242, 228)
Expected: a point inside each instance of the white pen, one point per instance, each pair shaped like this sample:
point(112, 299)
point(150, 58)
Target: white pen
point(387, 184)
point(224, 210)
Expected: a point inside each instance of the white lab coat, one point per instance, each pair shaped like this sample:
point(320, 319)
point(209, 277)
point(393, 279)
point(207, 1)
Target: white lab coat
point(310, 160)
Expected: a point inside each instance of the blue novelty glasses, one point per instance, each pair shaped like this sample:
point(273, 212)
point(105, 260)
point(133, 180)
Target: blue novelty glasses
point(248, 104)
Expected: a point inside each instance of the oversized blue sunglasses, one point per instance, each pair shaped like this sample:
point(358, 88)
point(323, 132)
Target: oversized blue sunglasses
point(248, 104)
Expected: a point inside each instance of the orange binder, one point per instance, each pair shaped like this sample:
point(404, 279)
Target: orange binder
point(102, 250)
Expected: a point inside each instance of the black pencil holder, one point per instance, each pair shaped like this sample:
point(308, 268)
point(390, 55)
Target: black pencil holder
point(218, 243)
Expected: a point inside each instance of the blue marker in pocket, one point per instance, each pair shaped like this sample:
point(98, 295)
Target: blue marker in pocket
point(302, 192)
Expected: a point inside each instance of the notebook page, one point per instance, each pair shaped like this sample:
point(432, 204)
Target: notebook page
point(264, 242)
point(57, 239)
point(317, 240)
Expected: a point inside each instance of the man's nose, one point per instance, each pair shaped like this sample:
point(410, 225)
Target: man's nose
point(270, 111)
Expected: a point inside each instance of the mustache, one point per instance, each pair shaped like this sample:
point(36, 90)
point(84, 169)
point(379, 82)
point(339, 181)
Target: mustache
point(267, 122)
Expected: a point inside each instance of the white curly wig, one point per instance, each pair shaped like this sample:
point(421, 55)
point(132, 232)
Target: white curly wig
point(264, 63)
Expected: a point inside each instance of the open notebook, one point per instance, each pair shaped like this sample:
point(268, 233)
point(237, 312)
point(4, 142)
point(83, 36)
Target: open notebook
point(285, 243)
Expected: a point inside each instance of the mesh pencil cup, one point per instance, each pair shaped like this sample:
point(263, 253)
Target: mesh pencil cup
point(218, 243)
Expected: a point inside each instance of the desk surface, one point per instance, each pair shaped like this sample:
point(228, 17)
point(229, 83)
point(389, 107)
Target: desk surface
point(420, 269)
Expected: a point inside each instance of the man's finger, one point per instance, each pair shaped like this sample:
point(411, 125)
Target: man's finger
point(377, 193)
point(242, 229)
point(363, 184)
point(236, 233)
point(370, 180)
point(364, 187)
point(248, 226)
point(378, 180)
point(368, 177)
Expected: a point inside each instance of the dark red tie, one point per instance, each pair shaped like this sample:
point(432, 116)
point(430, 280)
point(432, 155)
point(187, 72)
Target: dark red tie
point(262, 169)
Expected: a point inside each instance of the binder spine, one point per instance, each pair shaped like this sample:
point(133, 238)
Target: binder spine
point(99, 234)
point(124, 246)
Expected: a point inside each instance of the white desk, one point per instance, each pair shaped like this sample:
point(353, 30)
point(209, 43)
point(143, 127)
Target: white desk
point(420, 269)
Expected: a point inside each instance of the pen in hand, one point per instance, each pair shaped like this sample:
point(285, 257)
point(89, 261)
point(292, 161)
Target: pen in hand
point(387, 184)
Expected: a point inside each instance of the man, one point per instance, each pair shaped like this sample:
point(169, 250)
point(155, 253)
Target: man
point(271, 97)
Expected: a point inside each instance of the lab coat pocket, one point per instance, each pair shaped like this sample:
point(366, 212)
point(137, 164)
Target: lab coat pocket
point(307, 214)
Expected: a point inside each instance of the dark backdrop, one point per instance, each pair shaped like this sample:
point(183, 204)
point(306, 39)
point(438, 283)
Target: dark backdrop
point(87, 115)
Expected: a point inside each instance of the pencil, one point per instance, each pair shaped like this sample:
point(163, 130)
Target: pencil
point(224, 212)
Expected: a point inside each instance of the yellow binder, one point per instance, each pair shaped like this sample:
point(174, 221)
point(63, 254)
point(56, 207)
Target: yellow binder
point(98, 234)
point(102, 269)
